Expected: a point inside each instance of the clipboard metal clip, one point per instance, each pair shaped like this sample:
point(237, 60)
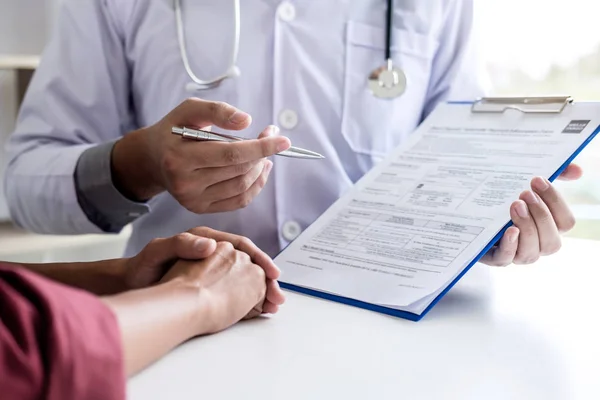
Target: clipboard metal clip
point(527, 105)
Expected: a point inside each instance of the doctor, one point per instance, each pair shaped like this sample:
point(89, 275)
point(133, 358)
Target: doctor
point(93, 151)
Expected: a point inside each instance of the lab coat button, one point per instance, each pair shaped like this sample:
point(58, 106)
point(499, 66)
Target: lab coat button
point(286, 11)
point(291, 230)
point(288, 119)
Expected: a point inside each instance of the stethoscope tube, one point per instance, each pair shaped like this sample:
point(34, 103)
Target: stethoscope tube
point(232, 72)
point(388, 29)
point(387, 81)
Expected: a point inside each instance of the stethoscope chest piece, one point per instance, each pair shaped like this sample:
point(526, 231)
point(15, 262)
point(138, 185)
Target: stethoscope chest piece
point(387, 82)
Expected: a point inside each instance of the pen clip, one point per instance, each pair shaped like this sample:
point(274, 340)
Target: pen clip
point(199, 134)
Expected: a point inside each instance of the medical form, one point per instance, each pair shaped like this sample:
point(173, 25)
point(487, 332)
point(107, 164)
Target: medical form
point(434, 205)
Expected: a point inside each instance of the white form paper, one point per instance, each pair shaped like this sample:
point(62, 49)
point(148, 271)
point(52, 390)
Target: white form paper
point(420, 217)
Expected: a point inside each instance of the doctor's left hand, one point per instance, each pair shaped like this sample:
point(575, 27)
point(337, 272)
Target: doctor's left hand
point(539, 217)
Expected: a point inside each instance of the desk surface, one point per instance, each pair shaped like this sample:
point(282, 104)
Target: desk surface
point(18, 61)
point(522, 332)
point(18, 245)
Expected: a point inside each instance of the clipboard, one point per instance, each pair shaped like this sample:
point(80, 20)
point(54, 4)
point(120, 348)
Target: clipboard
point(485, 105)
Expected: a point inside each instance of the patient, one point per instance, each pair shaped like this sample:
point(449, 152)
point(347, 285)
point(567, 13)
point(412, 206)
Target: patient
point(75, 331)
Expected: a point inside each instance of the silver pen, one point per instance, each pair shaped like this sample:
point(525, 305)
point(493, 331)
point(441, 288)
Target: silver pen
point(198, 134)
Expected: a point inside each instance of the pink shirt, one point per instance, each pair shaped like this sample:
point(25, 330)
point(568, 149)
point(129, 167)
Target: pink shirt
point(56, 342)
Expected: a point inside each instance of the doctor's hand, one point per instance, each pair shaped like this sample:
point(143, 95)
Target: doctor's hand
point(539, 217)
point(204, 177)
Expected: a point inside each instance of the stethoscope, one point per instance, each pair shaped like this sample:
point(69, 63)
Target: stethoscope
point(387, 81)
point(232, 72)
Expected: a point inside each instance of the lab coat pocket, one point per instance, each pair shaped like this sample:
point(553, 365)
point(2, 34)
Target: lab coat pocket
point(373, 125)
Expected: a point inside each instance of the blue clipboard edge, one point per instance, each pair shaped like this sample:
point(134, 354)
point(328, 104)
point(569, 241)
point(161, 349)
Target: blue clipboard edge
point(417, 317)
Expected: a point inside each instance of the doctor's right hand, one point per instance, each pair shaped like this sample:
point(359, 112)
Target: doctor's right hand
point(204, 177)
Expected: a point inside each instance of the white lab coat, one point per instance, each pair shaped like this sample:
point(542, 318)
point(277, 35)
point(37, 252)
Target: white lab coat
point(114, 65)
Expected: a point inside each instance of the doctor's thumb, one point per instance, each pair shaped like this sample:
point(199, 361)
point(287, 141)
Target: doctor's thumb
point(198, 113)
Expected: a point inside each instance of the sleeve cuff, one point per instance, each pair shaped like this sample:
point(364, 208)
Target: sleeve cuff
point(98, 197)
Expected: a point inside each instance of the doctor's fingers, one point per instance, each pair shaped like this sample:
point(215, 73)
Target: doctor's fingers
point(528, 250)
point(562, 215)
point(223, 154)
point(504, 253)
point(195, 112)
point(244, 199)
point(207, 177)
point(549, 237)
point(571, 173)
point(227, 188)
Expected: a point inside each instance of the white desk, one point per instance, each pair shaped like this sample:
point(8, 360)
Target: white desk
point(529, 332)
point(24, 66)
point(19, 61)
point(18, 245)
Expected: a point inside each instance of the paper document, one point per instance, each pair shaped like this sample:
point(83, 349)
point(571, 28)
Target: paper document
point(412, 224)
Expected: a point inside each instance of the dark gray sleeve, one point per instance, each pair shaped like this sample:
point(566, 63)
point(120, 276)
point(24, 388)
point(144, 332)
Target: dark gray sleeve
point(98, 197)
